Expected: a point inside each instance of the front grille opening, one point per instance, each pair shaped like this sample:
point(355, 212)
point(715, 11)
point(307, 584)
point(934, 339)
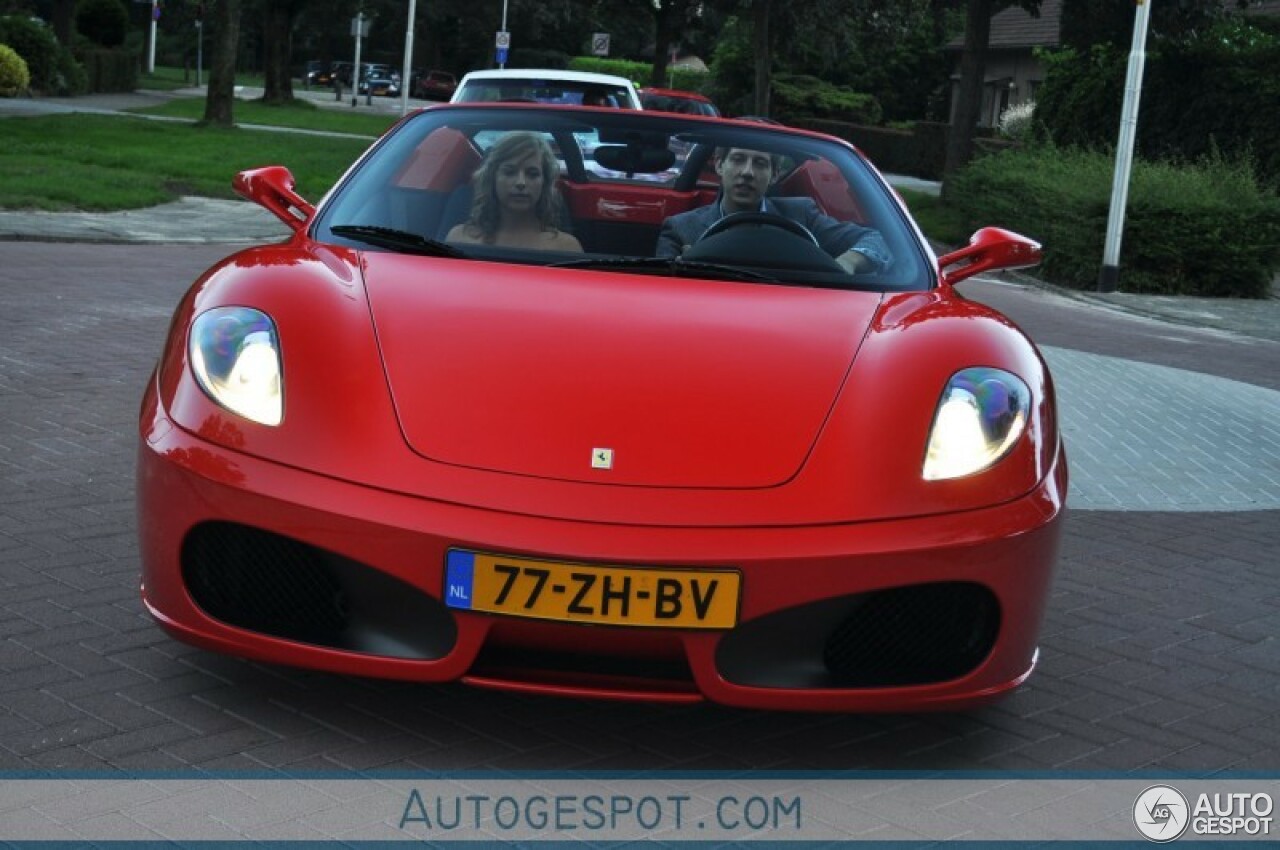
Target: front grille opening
point(914, 635)
point(274, 585)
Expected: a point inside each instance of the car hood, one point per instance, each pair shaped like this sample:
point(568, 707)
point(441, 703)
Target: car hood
point(610, 378)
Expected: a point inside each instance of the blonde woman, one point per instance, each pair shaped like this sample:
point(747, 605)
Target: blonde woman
point(515, 203)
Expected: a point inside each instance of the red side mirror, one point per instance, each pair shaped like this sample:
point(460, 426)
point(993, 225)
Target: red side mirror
point(272, 187)
point(990, 249)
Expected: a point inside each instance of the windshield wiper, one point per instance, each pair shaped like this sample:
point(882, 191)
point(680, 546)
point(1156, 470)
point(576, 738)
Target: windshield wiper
point(397, 240)
point(673, 266)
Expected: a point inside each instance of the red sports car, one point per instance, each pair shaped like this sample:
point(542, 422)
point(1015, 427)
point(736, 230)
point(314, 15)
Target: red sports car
point(530, 401)
point(675, 100)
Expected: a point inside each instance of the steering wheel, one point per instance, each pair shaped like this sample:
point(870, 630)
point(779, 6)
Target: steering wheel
point(761, 218)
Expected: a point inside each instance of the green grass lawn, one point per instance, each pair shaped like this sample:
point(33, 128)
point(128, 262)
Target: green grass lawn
point(168, 78)
point(301, 114)
point(101, 162)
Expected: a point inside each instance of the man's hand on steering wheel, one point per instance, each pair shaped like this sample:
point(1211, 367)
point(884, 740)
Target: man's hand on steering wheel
point(855, 262)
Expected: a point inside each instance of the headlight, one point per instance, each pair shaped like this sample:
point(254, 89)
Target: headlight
point(980, 417)
point(235, 355)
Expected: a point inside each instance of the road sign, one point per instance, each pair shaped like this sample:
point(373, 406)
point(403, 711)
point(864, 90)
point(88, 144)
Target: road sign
point(502, 41)
point(502, 55)
point(360, 26)
point(600, 44)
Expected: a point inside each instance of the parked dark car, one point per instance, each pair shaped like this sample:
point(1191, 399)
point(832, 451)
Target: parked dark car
point(380, 80)
point(312, 73)
point(435, 85)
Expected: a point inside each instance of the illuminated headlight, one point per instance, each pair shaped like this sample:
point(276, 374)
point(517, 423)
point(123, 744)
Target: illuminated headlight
point(235, 355)
point(980, 417)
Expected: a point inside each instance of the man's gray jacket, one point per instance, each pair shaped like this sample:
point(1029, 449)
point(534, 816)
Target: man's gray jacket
point(835, 236)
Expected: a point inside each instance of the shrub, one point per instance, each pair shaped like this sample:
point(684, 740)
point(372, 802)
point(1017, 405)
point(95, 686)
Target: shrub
point(35, 43)
point(1218, 89)
point(1205, 228)
point(14, 77)
point(111, 70)
point(1015, 122)
point(800, 95)
point(104, 22)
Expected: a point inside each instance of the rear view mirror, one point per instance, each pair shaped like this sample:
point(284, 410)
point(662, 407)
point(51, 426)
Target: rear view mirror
point(990, 249)
point(272, 187)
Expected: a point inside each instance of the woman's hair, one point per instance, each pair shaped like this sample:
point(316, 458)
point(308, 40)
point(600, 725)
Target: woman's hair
point(485, 214)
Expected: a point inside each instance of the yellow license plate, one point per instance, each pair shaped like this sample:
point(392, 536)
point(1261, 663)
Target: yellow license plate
point(585, 593)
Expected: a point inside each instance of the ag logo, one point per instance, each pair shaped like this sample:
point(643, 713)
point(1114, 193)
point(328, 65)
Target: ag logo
point(1161, 813)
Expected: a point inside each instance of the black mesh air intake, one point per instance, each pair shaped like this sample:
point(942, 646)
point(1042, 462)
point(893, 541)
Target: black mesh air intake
point(912, 635)
point(263, 582)
point(268, 583)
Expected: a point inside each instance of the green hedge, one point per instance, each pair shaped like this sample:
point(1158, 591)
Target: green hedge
point(796, 97)
point(640, 73)
point(111, 70)
point(1216, 92)
point(1203, 229)
point(918, 152)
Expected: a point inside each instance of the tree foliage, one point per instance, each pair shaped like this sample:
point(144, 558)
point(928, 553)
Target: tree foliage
point(1215, 89)
point(104, 22)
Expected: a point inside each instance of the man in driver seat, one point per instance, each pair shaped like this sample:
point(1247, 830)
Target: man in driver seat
point(745, 176)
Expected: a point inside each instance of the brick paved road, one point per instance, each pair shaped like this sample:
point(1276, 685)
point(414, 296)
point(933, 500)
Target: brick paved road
point(1160, 650)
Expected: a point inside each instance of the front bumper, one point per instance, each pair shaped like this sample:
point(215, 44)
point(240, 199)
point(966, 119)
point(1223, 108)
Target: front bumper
point(255, 559)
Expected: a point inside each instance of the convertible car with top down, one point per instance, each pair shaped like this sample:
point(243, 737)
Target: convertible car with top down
point(618, 455)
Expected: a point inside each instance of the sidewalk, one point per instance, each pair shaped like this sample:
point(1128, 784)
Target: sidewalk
point(207, 220)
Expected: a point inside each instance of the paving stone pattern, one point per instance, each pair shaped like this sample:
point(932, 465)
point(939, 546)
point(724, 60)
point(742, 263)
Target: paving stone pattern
point(1160, 647)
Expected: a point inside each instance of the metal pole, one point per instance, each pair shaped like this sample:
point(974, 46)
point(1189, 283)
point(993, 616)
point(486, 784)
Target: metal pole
point(199, 50)
point(151, 49)
point(405, 78)
point(504, 27)
point(355, 71)
point(1109, 277)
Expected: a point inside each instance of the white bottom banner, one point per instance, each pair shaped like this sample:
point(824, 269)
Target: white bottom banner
point(607, 808)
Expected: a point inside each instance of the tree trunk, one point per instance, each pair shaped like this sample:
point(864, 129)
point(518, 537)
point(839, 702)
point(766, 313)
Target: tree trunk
point(764, 57)
point(664, 21)
point(973, 64)
point(277, 33)
point(222, 68)
point(64, 21)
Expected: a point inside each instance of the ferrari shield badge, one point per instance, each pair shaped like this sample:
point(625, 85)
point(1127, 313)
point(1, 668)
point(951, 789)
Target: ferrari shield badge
point(602, 458)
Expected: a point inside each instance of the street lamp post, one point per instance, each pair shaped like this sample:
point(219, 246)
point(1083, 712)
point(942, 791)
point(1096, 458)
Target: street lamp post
point(151, 48)
point(1109, 277)
point(355, 71)
point(405, 77)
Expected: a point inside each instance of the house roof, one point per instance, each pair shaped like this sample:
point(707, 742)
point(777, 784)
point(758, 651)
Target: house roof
point(1015, 28)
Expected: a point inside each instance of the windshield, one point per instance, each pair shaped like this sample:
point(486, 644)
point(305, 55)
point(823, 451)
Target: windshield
point(538, 90)
point(619, 189)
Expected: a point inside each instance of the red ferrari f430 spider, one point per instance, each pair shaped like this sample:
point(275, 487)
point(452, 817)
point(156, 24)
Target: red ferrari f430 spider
point(606, 403)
